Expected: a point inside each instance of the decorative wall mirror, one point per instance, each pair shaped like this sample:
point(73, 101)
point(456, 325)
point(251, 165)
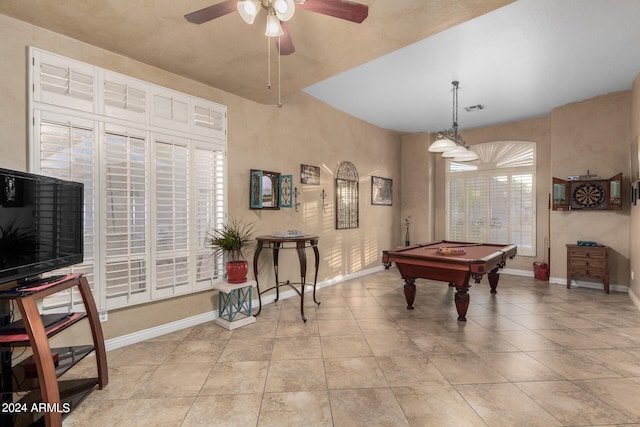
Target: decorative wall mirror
point(346, 196)
point(264, 192)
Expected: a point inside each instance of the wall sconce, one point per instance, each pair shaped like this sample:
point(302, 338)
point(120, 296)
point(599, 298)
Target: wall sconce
point(296, 193)
point(323, 195)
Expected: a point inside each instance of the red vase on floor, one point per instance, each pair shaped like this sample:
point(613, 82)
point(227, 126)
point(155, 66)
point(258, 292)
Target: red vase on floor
point(237, 271)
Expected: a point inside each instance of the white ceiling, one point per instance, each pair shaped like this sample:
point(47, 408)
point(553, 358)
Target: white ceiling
point(519, 61)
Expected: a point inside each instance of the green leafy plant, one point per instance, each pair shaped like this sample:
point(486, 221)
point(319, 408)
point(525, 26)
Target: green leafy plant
point(232, 238)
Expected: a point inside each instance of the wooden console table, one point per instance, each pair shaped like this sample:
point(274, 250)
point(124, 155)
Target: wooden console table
point(57, 398)
point(588, 261)
point(300, 244)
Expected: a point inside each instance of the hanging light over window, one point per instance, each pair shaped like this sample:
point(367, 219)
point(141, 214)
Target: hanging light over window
point(449, 142)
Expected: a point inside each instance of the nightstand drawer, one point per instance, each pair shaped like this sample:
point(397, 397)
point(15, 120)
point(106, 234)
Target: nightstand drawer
point(588, 262)
point(588, 252)
point(588, 272)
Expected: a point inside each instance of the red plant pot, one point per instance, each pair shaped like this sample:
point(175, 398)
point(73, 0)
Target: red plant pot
point(237, 271)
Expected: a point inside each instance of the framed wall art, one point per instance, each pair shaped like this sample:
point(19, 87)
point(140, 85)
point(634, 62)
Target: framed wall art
point(264, 192)
point(347, 196)
point(286, 191)
point(310, 174)
point(381, 191)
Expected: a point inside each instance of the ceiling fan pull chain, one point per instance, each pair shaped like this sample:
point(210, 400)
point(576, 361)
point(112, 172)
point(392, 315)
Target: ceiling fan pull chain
point(268, 63)
point(279, 56)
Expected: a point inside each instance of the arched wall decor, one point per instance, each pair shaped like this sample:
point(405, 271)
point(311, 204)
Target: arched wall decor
point(346, 196)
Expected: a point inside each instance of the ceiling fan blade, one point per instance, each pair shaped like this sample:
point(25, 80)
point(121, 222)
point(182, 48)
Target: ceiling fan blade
point(212, 12)
point(343, 9)
point(285, 44)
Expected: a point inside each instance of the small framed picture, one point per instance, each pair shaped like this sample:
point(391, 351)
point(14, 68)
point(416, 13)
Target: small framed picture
point(310, 174)
point(381, 191)
point(286, 191)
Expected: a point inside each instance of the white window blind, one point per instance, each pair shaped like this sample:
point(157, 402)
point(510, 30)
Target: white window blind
point(492, 199)
point(154, 187)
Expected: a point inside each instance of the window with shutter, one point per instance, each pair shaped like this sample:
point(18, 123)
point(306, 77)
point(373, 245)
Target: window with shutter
point(154, 188)
point(209, 175)
point(124, 97)
point(170, 110)
point(210, 120)
point(61, 81)
point(492, 199)
point(126, 216)
point(171, 215)
point(67, 152)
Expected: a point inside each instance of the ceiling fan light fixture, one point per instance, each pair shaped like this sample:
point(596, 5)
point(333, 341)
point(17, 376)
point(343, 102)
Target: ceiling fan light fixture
point(248, 10)
point(273, 28)
point(284, 9)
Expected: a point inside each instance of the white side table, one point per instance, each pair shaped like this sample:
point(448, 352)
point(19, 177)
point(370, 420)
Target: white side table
point(234, 304)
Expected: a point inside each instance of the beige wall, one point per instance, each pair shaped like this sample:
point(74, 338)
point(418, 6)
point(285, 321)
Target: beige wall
point(593, 135)
point(634, 228)
point(260, 137)
point(417, 192)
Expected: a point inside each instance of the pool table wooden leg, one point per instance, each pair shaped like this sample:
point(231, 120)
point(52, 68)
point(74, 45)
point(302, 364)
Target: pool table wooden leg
point(461, 299)
point(410, 292)
point(493, 277)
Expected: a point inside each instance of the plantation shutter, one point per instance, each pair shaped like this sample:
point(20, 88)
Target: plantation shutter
point(170, 110)
point(66, 151)
point(153, 161)
point(492, 199)
point(523, 211)
point(125, 216)
point(210, 119)
point(456, 209)
point(171, 216)
point(125, 98)
point(210, 172)
point(61, 81)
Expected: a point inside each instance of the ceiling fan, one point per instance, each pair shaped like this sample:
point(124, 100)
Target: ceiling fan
point(280, 11)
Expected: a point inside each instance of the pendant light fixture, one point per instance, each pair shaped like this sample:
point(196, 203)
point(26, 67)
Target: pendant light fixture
point(449, 142)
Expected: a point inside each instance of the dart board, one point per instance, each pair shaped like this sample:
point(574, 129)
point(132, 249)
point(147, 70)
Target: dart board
point(588, 195)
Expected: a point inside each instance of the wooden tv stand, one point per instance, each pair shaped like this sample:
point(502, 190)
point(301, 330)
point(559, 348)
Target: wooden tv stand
point(49, 399)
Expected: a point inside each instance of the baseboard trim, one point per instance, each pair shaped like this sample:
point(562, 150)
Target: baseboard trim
point(166, 328)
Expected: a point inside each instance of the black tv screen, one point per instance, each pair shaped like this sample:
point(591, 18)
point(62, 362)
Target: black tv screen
point(41, 224)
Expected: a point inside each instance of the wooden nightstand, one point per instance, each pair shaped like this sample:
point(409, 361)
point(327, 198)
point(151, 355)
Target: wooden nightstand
point(588, 261)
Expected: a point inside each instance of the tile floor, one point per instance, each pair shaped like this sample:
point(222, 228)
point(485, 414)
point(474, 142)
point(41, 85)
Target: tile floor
point(535, 354)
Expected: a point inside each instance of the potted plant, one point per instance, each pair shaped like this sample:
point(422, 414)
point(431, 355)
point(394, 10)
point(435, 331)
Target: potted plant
point(231, 239)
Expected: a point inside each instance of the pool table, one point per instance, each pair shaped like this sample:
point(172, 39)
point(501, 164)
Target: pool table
point(464, 260)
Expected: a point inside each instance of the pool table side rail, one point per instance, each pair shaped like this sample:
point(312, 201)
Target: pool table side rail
point(475, 266)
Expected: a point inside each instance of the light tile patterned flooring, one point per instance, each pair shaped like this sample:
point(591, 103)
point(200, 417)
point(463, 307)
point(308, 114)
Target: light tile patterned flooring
point(535, 354)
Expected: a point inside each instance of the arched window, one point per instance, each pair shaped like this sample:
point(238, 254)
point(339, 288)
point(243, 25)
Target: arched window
point(492, 199)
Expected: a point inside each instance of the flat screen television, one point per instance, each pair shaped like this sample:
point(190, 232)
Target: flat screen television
point(41, 224)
